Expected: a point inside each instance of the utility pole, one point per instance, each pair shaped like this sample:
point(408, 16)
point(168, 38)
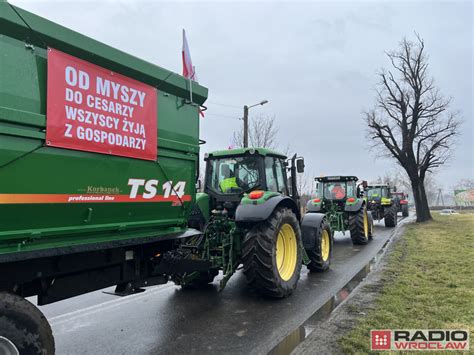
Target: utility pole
point(246, 126)
point(246, 121)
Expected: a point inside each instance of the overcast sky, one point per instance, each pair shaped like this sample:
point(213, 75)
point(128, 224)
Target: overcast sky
point(315, 62)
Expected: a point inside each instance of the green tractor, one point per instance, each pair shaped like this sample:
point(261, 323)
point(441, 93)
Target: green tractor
point(341, 200)
point(381, 203)
point(249, 214)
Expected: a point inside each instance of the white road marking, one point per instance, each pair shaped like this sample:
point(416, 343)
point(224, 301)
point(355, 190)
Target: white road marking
point(66, 317)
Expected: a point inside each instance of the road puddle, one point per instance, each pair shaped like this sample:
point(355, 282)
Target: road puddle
point(292, 340)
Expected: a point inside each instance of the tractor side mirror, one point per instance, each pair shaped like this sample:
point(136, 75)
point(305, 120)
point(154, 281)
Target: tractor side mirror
point(198, 185)
point(300, 165)
point(364, 184)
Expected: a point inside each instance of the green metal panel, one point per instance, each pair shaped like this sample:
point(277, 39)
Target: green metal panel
point(30, 169)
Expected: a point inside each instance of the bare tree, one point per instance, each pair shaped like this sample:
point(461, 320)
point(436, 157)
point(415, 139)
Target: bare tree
point(464, 184)
point(262, 133)
point(411, 119)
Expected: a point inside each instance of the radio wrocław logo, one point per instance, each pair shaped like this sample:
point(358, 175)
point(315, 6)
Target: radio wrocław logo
point(420, 339)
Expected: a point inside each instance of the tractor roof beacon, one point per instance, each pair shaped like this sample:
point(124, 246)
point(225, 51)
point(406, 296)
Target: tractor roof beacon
point(249, 214)
point(381, 203)
point(341, 200)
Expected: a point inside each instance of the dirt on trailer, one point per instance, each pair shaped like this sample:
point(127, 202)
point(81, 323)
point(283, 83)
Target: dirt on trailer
point(325, 335)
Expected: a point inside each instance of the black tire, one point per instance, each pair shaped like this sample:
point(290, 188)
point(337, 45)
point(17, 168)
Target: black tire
point(405, 211)
point(202, 281)
point(390, 216)
point(371, 226)
point(359, 233)
point(25, 326)
point(259, 255)
point(317, 262)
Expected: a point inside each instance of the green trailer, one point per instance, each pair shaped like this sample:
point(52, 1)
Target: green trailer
point(78, 220)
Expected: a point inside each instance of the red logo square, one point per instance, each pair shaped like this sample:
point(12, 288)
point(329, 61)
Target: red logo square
point(381, 339)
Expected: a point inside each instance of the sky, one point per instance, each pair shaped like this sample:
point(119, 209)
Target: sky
point(316, 62)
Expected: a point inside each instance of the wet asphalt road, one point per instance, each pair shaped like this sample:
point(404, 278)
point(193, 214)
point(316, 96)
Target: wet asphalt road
point(168, 320)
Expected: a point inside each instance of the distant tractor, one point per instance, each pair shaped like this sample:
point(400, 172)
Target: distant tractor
point(249, 214)
point(381, 204)
point(401, 200)
point(341, 200)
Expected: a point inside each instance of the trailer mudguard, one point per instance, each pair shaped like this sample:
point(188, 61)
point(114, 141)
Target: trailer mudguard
point(257, 211)
point(311, 228)
point(354, 207)
point(312, 206)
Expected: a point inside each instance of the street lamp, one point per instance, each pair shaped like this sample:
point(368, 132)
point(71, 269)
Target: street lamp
point(246, 121)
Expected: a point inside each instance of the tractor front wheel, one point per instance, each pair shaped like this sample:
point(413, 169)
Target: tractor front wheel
point(272, 254)
point(320, 256)
point(359, 226)
point(390, 216)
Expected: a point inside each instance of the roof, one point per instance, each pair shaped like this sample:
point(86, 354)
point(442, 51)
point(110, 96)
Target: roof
point(243, 151)
point(336, 178)
point(377, 185)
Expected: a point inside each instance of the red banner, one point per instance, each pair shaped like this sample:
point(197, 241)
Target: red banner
point(93, 109)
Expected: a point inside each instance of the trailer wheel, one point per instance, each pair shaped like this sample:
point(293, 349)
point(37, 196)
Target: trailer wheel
point(320, 256)
point(359, 226)
point(24, 326)
point(405, 211)
point(390, 216)
point(272, 254)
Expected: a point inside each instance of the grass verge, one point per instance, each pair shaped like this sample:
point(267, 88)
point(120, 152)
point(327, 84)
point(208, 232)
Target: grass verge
point(428, 282)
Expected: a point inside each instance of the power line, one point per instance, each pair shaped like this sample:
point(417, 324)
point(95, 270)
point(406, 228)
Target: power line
point(223, 116)
point(225, 105)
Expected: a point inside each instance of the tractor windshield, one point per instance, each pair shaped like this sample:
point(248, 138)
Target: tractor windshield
point(234, 175)
point(377, 192)
point(337, 190)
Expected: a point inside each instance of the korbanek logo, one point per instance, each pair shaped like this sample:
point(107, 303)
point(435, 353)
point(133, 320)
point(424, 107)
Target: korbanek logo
point(420, 339)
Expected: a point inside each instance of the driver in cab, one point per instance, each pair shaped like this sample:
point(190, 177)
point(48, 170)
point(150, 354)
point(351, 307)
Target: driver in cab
point(338, 191)
point(229, 181)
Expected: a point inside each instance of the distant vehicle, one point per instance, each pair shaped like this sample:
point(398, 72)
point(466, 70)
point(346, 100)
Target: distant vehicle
point(448, 211)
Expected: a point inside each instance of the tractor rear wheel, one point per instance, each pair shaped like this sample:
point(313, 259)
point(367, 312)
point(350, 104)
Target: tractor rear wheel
point(359, 226)
point(405, 211)
point(320, 256)
point(23, 328)
point(390, 216)
point(272, 254)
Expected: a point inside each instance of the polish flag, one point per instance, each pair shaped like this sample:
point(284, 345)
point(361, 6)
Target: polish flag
point(189, 70)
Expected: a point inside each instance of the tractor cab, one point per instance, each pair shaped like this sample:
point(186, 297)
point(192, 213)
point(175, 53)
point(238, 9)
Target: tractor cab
point(233, 173)
point(378, 193)
point(336, 190)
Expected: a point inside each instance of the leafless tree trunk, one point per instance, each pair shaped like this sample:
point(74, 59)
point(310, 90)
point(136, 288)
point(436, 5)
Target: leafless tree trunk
point(262, 133)
point(411, 120)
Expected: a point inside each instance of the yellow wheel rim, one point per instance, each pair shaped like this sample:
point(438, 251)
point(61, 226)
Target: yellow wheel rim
point(366, 224)
point(286, 252)
point(325, 245)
